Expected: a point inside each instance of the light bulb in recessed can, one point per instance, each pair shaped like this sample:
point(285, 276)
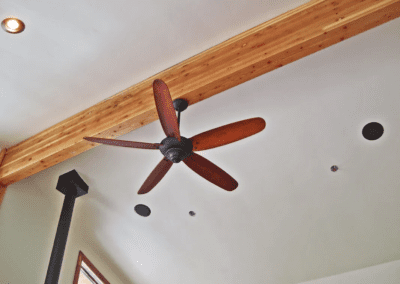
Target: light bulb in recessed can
point(13, 25)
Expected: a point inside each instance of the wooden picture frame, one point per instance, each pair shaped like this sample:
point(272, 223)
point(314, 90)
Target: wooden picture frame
point(83, 258)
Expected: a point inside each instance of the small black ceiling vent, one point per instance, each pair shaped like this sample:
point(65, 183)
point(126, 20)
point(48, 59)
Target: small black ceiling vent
point(142, 210)
point(372, 131)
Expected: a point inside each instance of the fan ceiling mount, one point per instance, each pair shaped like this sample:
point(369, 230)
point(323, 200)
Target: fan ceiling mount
point(177, 148)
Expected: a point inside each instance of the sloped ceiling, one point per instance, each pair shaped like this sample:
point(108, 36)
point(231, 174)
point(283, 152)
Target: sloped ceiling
point(73, 55)
point(291, 219)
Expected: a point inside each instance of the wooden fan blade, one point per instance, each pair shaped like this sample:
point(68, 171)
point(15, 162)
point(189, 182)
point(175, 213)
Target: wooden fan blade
point(165, 109)
point(210, 172)
point(156, 175)
point(123, 143)
point(227, 134)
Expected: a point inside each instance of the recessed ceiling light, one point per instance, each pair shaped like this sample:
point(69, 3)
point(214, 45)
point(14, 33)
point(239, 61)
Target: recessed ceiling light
point(13, 25)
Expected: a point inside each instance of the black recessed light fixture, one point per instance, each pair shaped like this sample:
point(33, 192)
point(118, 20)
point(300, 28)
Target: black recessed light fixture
point(192, 213)
point(372, 131)
point(142, 210)
point(13, 25)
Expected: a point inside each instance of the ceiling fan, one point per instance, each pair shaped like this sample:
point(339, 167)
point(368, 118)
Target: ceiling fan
point(177, 148)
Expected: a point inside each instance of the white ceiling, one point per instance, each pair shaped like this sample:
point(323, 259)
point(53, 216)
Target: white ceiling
point(74, 54)
point(291, 219)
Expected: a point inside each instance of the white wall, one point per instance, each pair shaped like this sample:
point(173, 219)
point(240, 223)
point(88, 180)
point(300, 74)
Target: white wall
point(387, 273)
point(28, 221)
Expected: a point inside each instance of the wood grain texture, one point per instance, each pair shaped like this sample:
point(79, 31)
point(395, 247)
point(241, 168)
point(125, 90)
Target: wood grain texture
point(2, 187)
point(156, 175)
point(123, 143)
point(271, 45)
point(2, 193)
point(78, 268)
point(165, 109)
point(211, 172)
point(226, 134)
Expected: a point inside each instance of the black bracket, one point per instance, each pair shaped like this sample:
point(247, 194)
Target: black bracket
point(180, 105)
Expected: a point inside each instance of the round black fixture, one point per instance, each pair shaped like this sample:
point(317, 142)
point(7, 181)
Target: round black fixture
point(192, 213)
point(174, 150)
point(180, 104)
point(334, 168)
point(372, 131)
point(142, 210)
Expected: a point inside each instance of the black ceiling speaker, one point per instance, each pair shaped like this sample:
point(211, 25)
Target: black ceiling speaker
point(372, 131)
point(142, 210)
point(176, 148)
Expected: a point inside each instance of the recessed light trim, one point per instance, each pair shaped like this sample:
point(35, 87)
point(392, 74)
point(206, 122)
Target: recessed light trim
point(13, 25)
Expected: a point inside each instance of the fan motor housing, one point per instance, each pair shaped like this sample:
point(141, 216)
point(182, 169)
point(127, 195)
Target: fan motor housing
point(174, 150)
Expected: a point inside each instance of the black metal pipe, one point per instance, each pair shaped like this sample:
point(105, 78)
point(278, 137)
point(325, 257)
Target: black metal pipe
point(57, 254)
point(72, 186)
